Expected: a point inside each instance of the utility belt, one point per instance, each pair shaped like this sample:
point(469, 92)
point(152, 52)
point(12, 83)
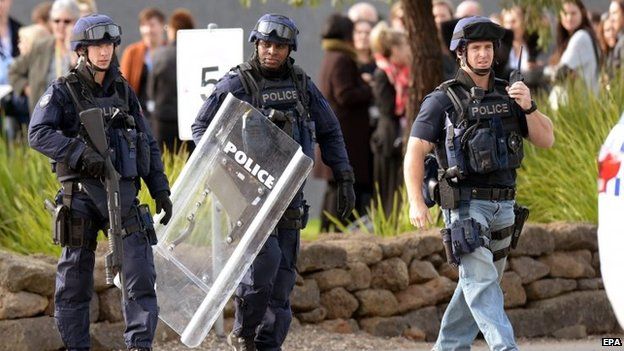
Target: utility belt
point(68, 230)
point(465, 236)
point(449, 196)
point(294, 218)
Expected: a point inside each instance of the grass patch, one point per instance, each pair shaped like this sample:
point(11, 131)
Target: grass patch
point(559, 184)
point(26, 180)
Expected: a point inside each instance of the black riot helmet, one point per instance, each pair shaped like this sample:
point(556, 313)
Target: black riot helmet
point(475, 28)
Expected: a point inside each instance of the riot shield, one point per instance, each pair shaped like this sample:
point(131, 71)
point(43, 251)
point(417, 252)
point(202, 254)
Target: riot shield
point(226, 201)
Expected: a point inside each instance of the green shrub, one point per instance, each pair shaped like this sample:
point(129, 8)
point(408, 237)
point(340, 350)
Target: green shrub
point(559, 184)
point(26, 180)
point(384, 223)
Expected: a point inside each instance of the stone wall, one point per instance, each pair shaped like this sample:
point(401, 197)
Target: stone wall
point(401, 286)
point(386, 287)
point(27, 306)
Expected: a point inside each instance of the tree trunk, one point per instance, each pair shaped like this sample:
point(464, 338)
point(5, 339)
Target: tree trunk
point(426, 53)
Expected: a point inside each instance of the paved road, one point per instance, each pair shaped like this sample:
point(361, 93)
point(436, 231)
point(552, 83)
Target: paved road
point(309, 338)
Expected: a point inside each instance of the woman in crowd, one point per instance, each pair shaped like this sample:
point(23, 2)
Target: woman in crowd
point(443, 13)
point(40, 16)
point(390, 88)
point(341, 83)
point(577, 52)
point(16, 105)
point(514, 20)
point(616, 17)
point(607, 36)
point(397, 16)
point(49, 58)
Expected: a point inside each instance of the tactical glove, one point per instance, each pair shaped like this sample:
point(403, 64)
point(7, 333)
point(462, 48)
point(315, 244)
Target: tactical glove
point(346, 194)
point(92, 163)
point(163, 203)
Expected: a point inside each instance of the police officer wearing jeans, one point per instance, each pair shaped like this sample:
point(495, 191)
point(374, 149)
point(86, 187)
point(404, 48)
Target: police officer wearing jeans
point(476, 124)
point(271, 82)
point(56, 131)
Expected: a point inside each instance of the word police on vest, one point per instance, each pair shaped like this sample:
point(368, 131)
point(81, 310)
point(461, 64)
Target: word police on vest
point(490, 110)
point(249, 164)
point(280, 96)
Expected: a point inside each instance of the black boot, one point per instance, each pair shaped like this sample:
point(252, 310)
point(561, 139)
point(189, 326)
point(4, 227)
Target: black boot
point(240, 343)
point(140, 349)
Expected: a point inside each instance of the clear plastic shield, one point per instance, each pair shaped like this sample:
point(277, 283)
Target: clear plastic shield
point(227, 200)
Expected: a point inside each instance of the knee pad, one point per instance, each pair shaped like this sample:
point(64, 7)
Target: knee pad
point(465, 237)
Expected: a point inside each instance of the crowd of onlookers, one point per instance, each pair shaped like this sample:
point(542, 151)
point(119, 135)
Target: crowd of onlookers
point(365, 72)
point(33, 56)
point(365, 75)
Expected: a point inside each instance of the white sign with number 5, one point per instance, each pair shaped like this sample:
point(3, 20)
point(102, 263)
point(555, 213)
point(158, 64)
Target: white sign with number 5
point(203, 56)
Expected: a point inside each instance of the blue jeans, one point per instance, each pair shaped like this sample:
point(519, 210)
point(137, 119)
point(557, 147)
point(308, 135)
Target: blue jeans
point(478, 302)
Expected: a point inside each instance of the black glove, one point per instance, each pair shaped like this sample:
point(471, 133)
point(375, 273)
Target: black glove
point(92, 163)
point(163, 203)
point(346, 194)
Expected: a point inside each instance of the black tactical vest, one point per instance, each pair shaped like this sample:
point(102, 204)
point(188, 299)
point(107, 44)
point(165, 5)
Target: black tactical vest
point(289, 96)
point(131, 151)
point(483, 134)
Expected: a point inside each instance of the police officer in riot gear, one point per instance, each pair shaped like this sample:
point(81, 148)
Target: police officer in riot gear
point(475, 123)
point(271, 82)
point(56, 131)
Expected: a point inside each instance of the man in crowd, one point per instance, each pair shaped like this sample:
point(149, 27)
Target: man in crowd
point(476, 124)
point(57, 132)
point(262, 304)
point(136, 62)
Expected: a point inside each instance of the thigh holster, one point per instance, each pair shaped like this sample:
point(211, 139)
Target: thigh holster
point(521, 214)
point(140, 220)
point(69, 230)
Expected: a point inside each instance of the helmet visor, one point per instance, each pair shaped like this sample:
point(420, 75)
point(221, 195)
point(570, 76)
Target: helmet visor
point(282, 31)
point(99, 31)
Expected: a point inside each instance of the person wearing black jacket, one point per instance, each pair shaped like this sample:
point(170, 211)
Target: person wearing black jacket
point(162, 88)
point(13, 106)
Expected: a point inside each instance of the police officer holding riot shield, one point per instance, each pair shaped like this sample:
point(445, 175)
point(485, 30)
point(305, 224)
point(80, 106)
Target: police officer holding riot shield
point(475, 123)
point(81, 204)
point(271, 82)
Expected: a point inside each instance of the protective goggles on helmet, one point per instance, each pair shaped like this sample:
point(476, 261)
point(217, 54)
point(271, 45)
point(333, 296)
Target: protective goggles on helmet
point(99, 32)
point(282, 31)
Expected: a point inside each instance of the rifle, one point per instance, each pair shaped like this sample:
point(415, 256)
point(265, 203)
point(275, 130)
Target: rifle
point(93, 122)
point(516, 74)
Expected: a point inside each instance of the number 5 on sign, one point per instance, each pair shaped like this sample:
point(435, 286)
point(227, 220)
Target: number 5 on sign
point(203, 56)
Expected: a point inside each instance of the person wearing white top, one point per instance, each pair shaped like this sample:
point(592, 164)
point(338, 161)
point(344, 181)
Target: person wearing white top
point(577, 51)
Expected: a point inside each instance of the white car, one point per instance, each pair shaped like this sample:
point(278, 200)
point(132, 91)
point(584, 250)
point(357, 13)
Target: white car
point(610, 223)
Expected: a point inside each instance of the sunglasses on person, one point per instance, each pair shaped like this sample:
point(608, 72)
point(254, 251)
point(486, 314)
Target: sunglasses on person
point(65, 21)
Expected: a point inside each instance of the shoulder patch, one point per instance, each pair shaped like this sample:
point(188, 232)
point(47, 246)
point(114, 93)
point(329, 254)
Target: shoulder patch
point(45, 100)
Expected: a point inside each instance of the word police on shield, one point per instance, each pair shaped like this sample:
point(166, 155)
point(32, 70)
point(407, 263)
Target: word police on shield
point(203, 56)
